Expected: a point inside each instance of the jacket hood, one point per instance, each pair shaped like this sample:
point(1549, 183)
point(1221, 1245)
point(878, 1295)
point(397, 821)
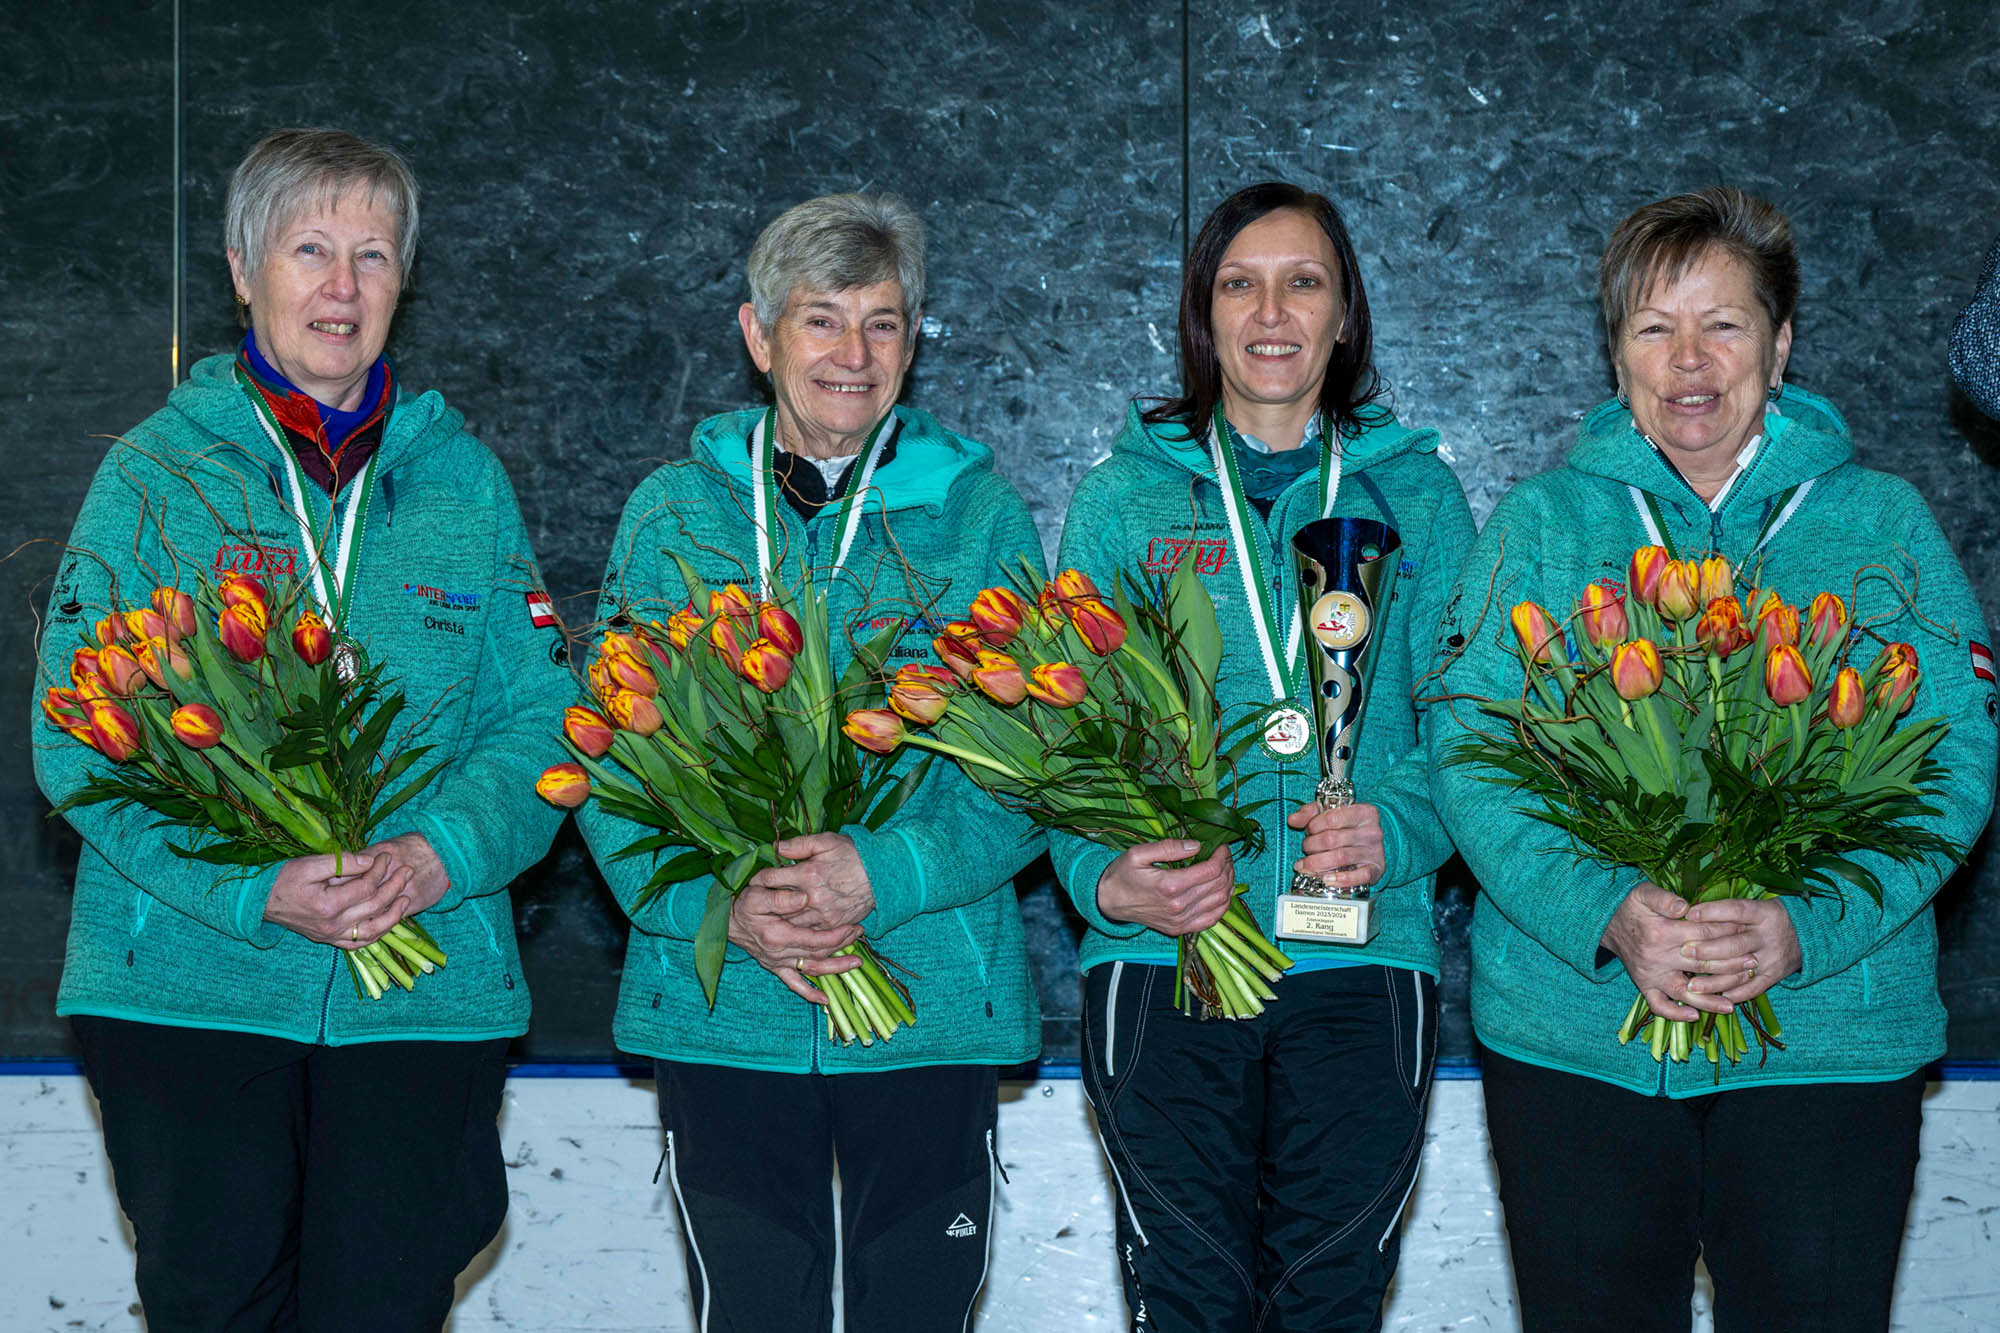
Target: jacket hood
point(929, 459)
point(216, 404)
point(1380, 437)
point(1804, 437)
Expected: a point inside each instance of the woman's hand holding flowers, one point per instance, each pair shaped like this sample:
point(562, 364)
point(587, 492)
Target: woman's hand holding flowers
point(761, 924)
point(1650, 932)
point(1762, 951)
point(346, 902)
point(1143, 886)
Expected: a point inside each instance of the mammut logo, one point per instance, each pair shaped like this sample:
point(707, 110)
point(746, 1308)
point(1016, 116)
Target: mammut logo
point(1163, 554)
point(962, 1227)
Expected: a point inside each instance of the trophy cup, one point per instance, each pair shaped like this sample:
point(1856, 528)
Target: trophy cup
point(1343, 563)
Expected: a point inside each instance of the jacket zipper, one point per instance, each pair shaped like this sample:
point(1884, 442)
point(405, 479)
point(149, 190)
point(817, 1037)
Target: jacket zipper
point(326, 997)
point(815, 1015)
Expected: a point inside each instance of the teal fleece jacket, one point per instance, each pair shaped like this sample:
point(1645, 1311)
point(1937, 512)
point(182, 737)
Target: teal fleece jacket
point(1865, 1005)
point(939, 525)
point(444, 566)
point(1156, 498)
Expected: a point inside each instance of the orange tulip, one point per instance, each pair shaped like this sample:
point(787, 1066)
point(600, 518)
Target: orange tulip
point(176, 608)
point(956, 647)
point(159, 658)
point(623, 657)
point(999, 678)
point(1777, 622)
point(565, 785)
point(1845, 702)
point(682, 626)
point(600, 680)
point(86, 674)
point(636, 713)
point(999, 613)
point(1786, 679)
point(722, 637)
point(1049, 614)
point(145, 623)
point(654, 636)
point(311, 639)
point(113, 731)
point(1828, 618)
point(1602, 614)
point(1642, 580)
point(921, 693)
point(587, 729)
point(1714, 578)
point(1075, 585)
point(1674, 598)
point(1101, 627)
point(1058, 684)
point(777, 624)
point(1898, 683)
point(766, 665)
point(1721, 629)
point(241, 629)
point(875, 729)
point(237, 589)
point(63, 707)
point(1536, 633)
point(734, 603)
point(197, 725)
point(1635, 669)
point(111, 629)
point(120, 669)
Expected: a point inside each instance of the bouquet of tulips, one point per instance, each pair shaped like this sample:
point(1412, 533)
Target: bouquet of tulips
point(221, 723)
point(1726, 746)
point(1097, 717)
point(721, 729)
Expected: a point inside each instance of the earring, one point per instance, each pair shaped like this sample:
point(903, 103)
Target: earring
point(1776, 391)
point(240, 300)
point(1623, 401)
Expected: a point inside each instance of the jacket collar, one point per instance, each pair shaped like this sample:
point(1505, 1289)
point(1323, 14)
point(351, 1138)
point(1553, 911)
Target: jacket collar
point(928, 460)
point(1804, 437)
point(1380, 438)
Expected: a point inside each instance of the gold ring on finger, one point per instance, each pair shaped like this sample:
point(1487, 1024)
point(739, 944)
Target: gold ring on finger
point(354, 934)
point(799, 966)
point(1753, 964)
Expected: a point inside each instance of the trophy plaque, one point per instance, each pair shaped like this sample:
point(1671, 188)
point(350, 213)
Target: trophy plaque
point(1345, 580)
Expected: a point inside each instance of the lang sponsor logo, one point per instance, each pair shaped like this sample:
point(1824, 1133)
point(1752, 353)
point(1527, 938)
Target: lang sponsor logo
point(439, 597)
point(1164, 554)
point(256, 558)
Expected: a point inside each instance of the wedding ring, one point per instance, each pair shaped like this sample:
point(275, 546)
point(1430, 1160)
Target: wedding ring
point(354, 934)
point(799, 966)
point(1753, 964)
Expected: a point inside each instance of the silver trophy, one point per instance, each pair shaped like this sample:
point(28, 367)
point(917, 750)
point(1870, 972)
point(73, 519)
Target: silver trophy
point(1344, 564)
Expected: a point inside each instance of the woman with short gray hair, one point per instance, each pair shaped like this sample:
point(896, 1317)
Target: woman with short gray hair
point(897, 517)
point(291, 1153)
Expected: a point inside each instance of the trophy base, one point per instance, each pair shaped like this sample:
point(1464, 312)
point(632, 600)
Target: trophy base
point(1320, 920)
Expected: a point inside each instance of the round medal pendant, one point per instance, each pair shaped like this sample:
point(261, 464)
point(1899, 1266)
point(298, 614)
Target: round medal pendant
point(1287, 734)
point(1340, 620)
point(346, 660)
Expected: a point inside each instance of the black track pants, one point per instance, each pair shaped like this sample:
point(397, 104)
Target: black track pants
point(275, 1185)
point(1262, 1165)
point(1794, 1196)
point(751, 1157)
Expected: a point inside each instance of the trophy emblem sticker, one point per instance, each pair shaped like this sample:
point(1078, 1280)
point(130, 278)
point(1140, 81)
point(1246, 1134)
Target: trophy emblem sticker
point(1340, 620)
point(1288, 733)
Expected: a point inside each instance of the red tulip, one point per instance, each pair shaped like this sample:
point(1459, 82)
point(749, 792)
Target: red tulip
point(587, 729)
point(111, 629)
point(1642, 580)
point(197, 725)
point(636, 713)
point(1898, 683)
point(1536, 633)
point(145, 623)
point(64, 709)
point(654, 636)
point(1674, 598)
point(766, 665)
point(1786, 679)
point(1828, 618)
point(120, 669)
point(1058, 684)
point(241, 629)
point(999, 678)
point(733, 603)
point(566, 785)
point(86, 674)
point(958, 647)
point(601, 684)
point(113, 731)
point(1714, 579)
point(1074, 585)
point(682, 626)
point(159, 658)
point(1049, 614)
point(1845, 702)
point(311, 639)
point(875, 729)
point(777, 624)
point(1602, 613)
point(1721, 629)
point(920, 695)
point(624, 665)
point(999, 613)
point(1777, 622)
point(176, 608)
point(722, 637)
point(1101, 627)
point(237, 589)
point(1635, 669)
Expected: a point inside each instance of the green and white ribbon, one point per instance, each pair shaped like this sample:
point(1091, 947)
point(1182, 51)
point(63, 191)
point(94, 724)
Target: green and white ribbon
point(1655, 522)
point(331, 544)
point(1286, 674)
point(764, 493)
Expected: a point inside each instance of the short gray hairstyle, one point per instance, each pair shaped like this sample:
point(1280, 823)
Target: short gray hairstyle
point(292, 170)
point(835, 242)
point(1668, 237)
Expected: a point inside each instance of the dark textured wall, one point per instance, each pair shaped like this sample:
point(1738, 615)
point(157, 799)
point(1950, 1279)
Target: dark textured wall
point(595, 172)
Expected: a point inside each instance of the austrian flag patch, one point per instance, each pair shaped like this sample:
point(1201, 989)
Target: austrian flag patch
point(541, 611)
point(1982, 661)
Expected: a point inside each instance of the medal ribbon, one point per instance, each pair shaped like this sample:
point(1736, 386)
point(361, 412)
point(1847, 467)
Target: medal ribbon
point(340, 534)
point(764, 493)
point(1287, 674)
point(1780, 514)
